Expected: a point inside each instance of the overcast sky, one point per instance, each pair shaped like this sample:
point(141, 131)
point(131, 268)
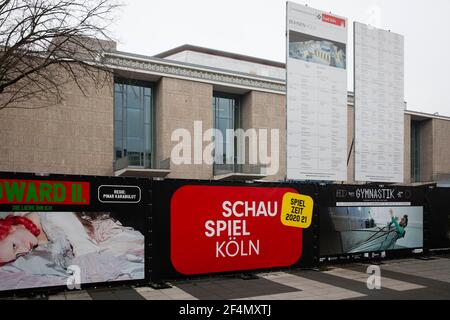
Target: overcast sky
point(257, 28)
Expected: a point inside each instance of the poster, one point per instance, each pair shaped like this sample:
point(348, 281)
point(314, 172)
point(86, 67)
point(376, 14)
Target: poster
point(208, 227)
point(372, 229)
point(371, 219)
point(70, 231)
point(379, 105)
point(316, 95)
point(438, 233)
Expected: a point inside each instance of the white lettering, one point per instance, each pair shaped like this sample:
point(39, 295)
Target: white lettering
point(226, 206)
point(209, 225)
point(233, 228)
point(241, 209)
point(233, 248)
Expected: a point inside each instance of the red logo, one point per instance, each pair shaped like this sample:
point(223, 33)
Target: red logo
point(221, 229)
point(44, 192)
point(333, 20)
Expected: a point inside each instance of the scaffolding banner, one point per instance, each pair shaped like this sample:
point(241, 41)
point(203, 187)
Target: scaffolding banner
point(72, 231)
point(438, 235)
point(379, 105)
point(370, 219)
point(207, 228)
point(316, 95)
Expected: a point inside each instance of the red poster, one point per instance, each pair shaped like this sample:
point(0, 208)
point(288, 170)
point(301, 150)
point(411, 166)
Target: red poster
point(221, 229)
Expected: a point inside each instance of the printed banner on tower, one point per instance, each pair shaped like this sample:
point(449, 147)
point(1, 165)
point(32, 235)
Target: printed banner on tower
point(379, 105)
point(316, 95)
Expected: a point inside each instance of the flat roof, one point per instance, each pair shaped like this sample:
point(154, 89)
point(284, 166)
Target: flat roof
point(188, 47)
point(426, 115)
point(237, 56)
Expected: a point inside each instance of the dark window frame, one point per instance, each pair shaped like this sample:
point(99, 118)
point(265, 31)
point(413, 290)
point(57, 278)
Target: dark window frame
point(145, 161)
point(237, 124)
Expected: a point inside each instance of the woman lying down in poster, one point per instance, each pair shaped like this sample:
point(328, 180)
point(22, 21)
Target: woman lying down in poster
point(37, 249)
point(384, 238)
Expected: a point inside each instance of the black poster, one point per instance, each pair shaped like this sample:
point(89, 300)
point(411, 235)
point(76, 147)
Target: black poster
point(367, 219)
point(438, 235)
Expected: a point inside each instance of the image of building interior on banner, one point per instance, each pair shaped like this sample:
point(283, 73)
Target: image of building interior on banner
point(346, 230)
point(42, 249)
point(316, 126)
point(318, 50)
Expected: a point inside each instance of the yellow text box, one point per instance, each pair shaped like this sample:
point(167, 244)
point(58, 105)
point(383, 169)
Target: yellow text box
point(297, 210)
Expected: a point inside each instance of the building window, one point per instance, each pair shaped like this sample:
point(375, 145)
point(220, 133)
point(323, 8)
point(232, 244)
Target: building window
point(227, 116)
point(415, 151)
point(133, 135)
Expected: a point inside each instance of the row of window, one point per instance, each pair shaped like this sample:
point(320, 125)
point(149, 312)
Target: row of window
point(133, 128)
point(134, 125)
point(133, 109)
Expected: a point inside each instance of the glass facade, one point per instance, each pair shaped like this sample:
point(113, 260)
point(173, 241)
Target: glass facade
point(415, 151)
point(133, 135)
point(226, 117)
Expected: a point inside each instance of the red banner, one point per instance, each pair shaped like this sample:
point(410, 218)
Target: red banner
point(333, 20)
point(43, 192)
point(220, 229)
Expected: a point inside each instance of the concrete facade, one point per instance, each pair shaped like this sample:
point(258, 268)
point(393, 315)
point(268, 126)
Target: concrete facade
point(440, 150)
point(76, 136)
point(179, 103)
point(407, 150)
point(71, 137)
point(261, 110)
point(434, 148)
point(426, 150)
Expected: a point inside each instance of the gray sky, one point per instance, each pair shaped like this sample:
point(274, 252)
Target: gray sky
point(257, 28)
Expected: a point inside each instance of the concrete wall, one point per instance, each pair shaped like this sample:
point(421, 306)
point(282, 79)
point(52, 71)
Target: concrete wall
point(71, 137)
point(434, 150)
point(259, 111)
point(76, 135)
point(426, 151)
point(407, 152)
point(178, 104)
point(441, 150)
point(226, 63)
point(262, 110)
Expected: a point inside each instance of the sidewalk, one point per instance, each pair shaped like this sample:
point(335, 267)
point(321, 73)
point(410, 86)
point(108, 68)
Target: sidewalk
point(408, 279)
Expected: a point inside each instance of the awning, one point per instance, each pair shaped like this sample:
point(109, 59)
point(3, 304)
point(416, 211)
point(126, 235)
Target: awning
point(142, 173)
point(239, 177)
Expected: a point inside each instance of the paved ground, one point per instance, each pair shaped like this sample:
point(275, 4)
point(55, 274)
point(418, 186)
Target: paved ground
point(407, 279)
